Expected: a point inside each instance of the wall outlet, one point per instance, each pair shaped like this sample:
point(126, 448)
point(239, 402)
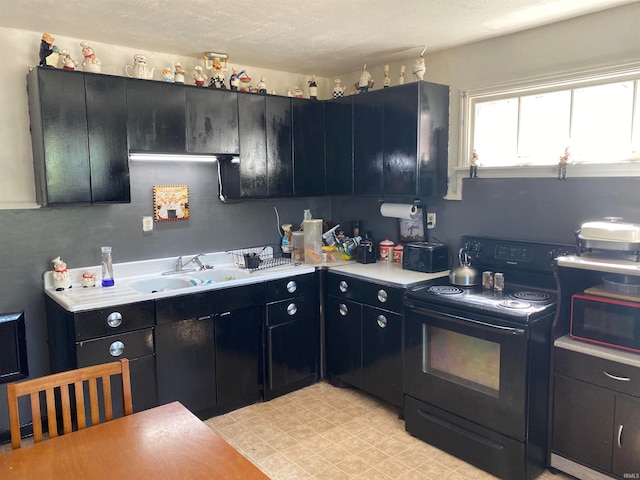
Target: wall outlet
point(431, 220)
point(147, 224)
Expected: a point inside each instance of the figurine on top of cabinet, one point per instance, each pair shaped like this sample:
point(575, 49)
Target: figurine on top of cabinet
point(338, 89)
point(387, 80)
point(419, 66)
point(313, 88)
point(61, 276)
point(179, 74)
point(46, 49)
point(364, 82)
point(167, 76)
point(139, 68)
point(262, 86)
point(297, 92)
point(199, 77)
point(234, 81)
point(473, 165)
point(401, 79)
point(215, 69)
point(562, 165)
point(91, 63)
point(68, 63)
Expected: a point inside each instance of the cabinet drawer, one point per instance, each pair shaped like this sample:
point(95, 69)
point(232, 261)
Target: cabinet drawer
point(598, 371)
point(291, 287)
point(108, 349)
point(343, 286)
point(112, 320)
point(292, 309)
point(369, 293)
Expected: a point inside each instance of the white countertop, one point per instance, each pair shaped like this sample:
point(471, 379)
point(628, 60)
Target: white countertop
point(387, 272)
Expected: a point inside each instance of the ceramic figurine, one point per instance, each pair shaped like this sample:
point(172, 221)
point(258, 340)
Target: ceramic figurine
point(88, 279)
point(199, 77)
point(91, 63)
point(244, 77)
point(290, 92)
point(473, 165)
point(562, 165)
point(387, 80)
point(167, 76)
point(139, 68)
point(178, 76)
point(234, 81)
point(338, 89)
point(46, 49)
point(215, 68)
point(262, 86)
point(419, 66)
point(61, 276)
point(364, 82)
point(402, 70)
point(313, 88)
point(68, 63)
point(297, 92)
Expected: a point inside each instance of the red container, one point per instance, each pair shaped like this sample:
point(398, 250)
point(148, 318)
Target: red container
point(386, 250)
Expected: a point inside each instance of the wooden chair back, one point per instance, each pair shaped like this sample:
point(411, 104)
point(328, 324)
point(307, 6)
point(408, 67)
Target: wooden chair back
point(62, 383)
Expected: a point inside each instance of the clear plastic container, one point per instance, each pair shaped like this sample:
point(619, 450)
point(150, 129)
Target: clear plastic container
point(312, 240)
point(107, 268)
point(297, 241)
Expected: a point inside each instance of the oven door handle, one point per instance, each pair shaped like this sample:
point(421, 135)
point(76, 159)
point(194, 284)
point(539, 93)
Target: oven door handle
point(466, 321)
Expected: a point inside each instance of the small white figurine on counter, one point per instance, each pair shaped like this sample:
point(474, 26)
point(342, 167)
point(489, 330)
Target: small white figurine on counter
point(91, 63)
point(61, 276)
point(88, 279)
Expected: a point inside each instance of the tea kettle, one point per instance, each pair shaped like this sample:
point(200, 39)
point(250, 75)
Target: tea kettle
point(139, 68)
point(464, 275)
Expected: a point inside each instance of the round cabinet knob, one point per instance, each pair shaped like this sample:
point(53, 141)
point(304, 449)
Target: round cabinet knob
point(114, 319)
point(382, 295)
point(382, 321)
point(344, 286)
point(292, 286)
point(116, 348)
point(343, 310)
point(292, 309)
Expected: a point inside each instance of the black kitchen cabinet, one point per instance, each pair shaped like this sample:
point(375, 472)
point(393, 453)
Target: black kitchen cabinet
point(212, 121)
point(339, 145)
point(265, 168)
point(209, 349)
point(156, 116)
point(78, 134)
point(401, 140)
point(364, 336)
point(309, 172)
point(91, 337)
point(292, 342)
point(595, 421)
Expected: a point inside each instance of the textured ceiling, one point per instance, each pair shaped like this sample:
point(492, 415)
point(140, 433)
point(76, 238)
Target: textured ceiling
point(326, 37)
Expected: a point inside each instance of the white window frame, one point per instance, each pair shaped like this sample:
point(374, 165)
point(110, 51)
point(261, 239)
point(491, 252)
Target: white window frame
point(468, 98)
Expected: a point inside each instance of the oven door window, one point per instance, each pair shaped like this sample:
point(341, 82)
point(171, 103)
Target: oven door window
point(469, 361)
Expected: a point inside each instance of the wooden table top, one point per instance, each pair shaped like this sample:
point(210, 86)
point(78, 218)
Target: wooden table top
point(166, 442)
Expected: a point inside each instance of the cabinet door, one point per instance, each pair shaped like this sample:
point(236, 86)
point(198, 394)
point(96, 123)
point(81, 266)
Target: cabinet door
point(156, 116)
point(583, 422)
point(279, 146)
point(185, 357)
point(400, 162)
point(626, 447)
point(382, 354)
point(212, 121)
point(343, 339)
point(309, 172)
point(108, 150)
point(59, 136)
point(368, 143)
point(339, 145)
point(238, 338)
point(253, 146)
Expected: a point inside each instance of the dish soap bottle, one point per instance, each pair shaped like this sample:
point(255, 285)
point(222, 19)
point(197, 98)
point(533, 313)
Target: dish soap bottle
point(107, 268)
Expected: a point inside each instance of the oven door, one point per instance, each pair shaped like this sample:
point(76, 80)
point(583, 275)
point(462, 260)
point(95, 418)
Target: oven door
point(467, 365)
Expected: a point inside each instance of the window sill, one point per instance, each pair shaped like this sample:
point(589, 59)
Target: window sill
point(631, 169)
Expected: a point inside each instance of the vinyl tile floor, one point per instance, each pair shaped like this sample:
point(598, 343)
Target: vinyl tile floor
point(326, 433)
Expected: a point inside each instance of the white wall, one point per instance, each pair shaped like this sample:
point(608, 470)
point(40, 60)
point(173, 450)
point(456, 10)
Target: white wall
point(20, 50)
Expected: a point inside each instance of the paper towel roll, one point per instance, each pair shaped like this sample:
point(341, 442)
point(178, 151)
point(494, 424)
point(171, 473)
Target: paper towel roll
point(398, 210)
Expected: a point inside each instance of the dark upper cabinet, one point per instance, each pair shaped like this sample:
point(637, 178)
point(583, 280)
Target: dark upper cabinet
point(212, 121)
point(338, 116)
point(253, 147)
point(279, 147)
point(309, 172)
point(78, 137)
point(156, 116)
point(401, 140)
point(368, 143)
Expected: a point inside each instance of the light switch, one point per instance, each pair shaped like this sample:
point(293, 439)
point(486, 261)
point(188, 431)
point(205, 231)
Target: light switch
point(147, 224)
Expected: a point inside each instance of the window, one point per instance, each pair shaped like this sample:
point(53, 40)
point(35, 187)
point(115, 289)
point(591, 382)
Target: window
point(521, 129)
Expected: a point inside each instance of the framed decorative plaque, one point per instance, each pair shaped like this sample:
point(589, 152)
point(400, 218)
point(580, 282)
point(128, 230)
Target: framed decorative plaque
point(170, 203)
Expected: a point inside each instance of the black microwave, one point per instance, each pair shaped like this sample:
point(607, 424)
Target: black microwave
point(606, 321)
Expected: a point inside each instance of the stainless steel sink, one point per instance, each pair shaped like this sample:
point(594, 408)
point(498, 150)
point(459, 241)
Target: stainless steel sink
point(160, 284)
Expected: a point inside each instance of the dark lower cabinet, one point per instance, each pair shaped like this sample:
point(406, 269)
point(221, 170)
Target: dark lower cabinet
point(343, 341)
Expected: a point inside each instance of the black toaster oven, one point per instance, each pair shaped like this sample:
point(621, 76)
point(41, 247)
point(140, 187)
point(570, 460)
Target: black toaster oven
point(425, 257)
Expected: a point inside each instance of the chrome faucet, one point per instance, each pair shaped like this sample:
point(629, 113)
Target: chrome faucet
point(180, 264)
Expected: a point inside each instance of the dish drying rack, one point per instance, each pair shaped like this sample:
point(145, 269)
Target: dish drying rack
point(270, 256)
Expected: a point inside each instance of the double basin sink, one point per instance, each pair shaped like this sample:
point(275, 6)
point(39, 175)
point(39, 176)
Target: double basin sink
point(163, 283)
